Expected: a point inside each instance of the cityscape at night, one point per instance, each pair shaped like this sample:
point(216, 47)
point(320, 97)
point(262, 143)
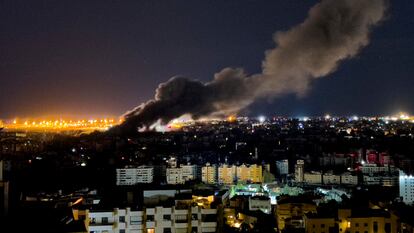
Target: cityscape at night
point(279, 116)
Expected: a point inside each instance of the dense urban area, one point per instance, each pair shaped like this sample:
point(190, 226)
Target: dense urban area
point(322, 174)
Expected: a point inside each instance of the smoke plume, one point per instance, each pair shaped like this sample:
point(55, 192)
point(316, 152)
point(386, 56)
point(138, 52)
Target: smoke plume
point(334, 30)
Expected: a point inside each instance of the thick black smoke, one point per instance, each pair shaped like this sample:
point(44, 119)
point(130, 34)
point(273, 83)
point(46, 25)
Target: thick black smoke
point(335, 30)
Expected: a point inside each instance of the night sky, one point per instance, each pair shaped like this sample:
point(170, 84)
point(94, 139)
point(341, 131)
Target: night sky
point(102, 58)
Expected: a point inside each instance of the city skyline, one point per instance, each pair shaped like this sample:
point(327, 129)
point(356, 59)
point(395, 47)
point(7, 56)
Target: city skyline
point(79, 59)
point(206, 117)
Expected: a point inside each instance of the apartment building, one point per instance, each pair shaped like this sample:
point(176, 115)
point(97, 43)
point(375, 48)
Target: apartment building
point(149, 220)
point(133, 176)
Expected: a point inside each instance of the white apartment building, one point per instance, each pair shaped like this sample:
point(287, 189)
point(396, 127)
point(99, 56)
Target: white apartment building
point(209, 174)
point(319, 178)
point(373, 169)
point(347, 178)
point(133, 176)
point(149, 220)
point(313, 178)
point(179, 175)
point(299, 171)
point(331, 178)
point(189, 172)
point(174, 175)
point(380, 180)
point(406, 188)
point(261, 203)
point(282, 167)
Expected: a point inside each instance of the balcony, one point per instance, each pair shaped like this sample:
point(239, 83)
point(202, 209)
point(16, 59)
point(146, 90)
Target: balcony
point(101, 223)
point(150, 224)
point(166, 223)
point(136, 227)
point(208, 211)
point(181, 225)
point(208, 224)
point(166, 211)
point(181, 212)
point(100, 228)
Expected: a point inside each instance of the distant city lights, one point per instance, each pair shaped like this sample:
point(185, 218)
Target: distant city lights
point(305, 118)
point(60, 125)
point(104, 124)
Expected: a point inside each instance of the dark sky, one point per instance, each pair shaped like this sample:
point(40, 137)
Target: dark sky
point(101, 58)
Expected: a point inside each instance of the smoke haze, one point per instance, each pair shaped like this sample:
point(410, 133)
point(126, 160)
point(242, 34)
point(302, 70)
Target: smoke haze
point(334, 30)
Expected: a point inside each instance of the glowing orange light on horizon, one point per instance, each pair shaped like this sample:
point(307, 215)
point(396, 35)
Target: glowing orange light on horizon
point(231, 118)
point(61, 124)
point(175, 126)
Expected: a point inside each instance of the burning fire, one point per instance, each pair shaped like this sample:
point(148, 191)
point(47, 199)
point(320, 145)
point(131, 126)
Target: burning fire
point(231, 118)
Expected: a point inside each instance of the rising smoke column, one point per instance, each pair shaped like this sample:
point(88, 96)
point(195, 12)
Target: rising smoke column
point(334, 30)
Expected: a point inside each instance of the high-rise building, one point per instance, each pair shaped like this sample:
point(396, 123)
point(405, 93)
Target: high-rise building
point(229, 174)
point(299, 170)
point(282, 167)
point(174, 175)
point(150, 220)
point(329, 178)
point(348, 220)
point(132, 176)
point(384, 159)
point(181, 174)
point(349, 179)
point(226, 174)
point(209, 174)
point(373, 169)
point(251, 173)
point(407, 188)
point(189, 172)
point(313, 177)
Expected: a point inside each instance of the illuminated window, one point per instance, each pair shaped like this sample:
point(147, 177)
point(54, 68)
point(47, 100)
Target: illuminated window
point(150, 230)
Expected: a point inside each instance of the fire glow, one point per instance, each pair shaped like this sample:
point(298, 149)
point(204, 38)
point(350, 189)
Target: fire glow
point(60, 125)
